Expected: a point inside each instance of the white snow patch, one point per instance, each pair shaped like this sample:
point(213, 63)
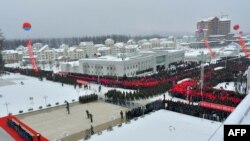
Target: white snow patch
point(18, 96)
point(218, 68)
point(186, 79)
point(159, 126)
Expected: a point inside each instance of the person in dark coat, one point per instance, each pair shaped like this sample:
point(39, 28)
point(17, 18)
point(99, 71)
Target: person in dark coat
point(92, 130)
point(87, 112)
point(67, 106)
point(91, 117)
point(121, 113)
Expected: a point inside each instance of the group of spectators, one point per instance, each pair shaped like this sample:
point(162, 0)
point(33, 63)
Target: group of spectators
point(232, 73)
point(196, 110)
point(23, 133)
point(88, 98)
point(139, 111)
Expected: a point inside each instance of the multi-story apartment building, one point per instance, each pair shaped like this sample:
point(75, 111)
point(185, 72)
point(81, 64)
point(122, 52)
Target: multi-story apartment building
point(75, 53)
point(213, 28)
point(89, 49)
point(45, 55)
point(11, 56)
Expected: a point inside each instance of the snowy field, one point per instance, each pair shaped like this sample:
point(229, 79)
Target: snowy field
point(35, 93)
point(161, 126)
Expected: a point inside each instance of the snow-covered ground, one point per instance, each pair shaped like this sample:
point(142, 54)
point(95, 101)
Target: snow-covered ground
point(161, 126)
point(35, 93)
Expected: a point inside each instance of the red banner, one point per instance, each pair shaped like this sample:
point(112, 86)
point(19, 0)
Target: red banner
point(216, 106)
point(82, 82)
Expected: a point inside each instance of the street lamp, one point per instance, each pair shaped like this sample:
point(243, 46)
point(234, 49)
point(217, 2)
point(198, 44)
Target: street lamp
point(7, 109)
point(202, 79)
point(31, 101)
point(45, 98)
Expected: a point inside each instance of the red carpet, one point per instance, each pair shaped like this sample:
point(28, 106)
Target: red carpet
point(12, 132)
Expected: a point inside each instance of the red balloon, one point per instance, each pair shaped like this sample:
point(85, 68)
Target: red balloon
point(236, 27)
point(26, 26)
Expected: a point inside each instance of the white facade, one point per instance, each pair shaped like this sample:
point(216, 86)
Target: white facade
point(89, 49)
point(104, 51)
point(197, 57)
point(168, 44)
point(75, 53)
point(37, 46)
point(131, 42)
point(45, 54)
point(11, 56)
point(155, 42)
point(145, 62)
point(146, 45)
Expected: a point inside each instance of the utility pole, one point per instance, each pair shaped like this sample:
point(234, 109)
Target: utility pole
point(202, 79)
point(202, 73)
point(7, 109)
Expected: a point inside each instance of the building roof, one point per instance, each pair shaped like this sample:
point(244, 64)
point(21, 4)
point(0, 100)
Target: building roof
point(211, 18)
point(10, 51)
point(43, 48)
point(103, 48)
point(99, 45)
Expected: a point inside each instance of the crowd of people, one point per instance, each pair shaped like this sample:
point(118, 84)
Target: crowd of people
point(23, 133)
point(139, 111)
point(232, 73)
point(88, 98)
point(180, 107)
point(196, 110)
point(116, 96)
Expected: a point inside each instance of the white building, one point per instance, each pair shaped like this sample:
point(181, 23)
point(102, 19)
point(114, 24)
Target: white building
point(196, 56)
point(155, 42)
point(89, 49)
point(11, 56)
point(104, 51)
point(45, 55)
point(131, 42)
point(140, 42)
point(75, 53)
point(37, 46)
point(146, 45)
point(168, 44)
point(144, 62)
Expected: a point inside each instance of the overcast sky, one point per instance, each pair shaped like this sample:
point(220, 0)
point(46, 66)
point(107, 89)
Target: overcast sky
point(66, 18)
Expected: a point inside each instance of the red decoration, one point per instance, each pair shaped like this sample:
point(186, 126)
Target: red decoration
point(236, 27)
